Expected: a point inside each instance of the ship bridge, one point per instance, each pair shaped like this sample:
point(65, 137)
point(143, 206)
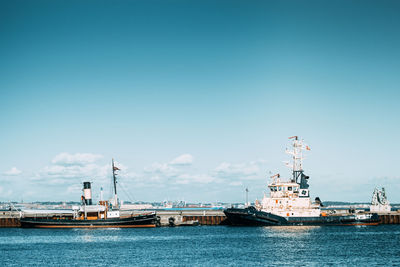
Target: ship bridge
point(280, 190)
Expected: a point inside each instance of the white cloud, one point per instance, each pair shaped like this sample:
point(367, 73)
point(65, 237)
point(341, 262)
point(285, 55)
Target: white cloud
point(73, 168)
point(195, 179)
point(244, 170)
point(168, 174)
point(176, 172)
point(67, 171)
point(13, 172)
point(74, 188)
point(66, 159)
point(74, 171)
point(163, 169)
point(185, 159)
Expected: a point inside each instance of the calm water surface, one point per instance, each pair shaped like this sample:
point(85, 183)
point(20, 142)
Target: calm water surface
point(203, 245)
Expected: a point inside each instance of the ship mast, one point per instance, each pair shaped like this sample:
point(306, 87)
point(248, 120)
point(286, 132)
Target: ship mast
point(114, 169)
point(297, 156)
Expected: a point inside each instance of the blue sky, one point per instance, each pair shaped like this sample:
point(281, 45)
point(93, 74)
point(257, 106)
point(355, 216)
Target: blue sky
point(196, 99)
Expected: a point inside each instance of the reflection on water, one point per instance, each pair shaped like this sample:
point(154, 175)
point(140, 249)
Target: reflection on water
point(99, 235)
point(87, 238)
point(289, 231)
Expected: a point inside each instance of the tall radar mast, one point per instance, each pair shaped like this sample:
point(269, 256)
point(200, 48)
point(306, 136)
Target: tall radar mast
point(297, 156)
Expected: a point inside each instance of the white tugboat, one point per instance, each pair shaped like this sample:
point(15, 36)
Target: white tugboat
point(289, 202)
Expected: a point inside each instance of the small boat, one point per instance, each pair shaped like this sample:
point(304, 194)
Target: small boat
point(289, 202)
point(105, 214)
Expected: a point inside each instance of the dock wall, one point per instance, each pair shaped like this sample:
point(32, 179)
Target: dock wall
point(390, 218)
point(206, 220)
point(9, 222)
point(9, 219)
point(184, 217)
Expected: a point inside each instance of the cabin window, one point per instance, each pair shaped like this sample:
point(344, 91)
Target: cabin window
point(289, 188)
point(280, 188)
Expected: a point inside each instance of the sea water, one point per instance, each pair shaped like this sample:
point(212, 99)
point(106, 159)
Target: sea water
point(203, 246)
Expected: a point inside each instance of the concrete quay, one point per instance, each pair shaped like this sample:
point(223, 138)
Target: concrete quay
point(10, 219)
point(191, 217)
point(392, 218)
point(173, 217)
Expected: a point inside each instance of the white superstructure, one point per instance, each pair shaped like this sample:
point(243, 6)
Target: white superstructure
point(291, 198)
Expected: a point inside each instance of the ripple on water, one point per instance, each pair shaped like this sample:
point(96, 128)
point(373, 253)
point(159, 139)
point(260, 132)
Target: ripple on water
point(206, 246)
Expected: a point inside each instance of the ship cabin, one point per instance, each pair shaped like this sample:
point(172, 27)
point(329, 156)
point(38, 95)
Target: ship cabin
point(284, 190)
point(95, 212)
point(87, 211)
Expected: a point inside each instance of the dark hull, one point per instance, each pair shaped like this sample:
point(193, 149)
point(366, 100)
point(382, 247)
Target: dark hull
point(252, 217)
point(148, 220)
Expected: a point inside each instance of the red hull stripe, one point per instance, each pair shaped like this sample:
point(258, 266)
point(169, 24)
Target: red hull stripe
point(96, 226)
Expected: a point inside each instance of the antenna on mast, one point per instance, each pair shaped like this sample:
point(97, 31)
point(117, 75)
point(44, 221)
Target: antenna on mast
point(276, 178)
point(297, 156)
